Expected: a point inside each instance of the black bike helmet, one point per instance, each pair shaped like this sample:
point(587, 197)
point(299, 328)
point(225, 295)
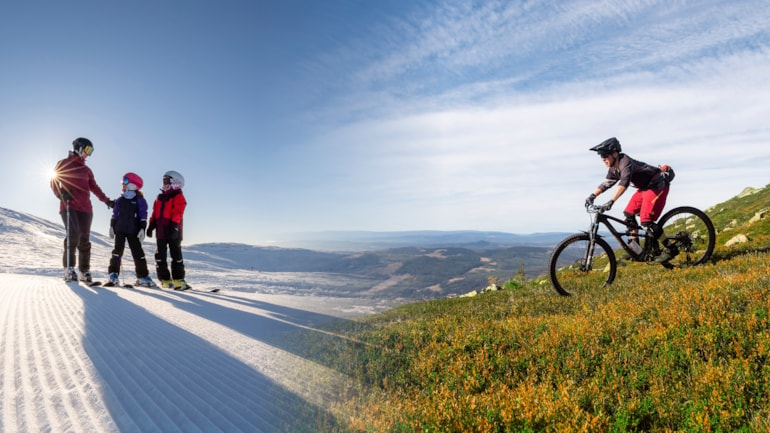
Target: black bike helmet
point(607, 146)
point(83, 145)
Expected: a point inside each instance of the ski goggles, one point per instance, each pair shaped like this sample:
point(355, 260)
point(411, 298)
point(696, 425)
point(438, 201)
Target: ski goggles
point(126, 181)
point(88, 150)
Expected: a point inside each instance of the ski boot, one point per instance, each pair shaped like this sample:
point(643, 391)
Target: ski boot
point(70, 275)
point(144, 282)
point(114, 280)
point(85, 276)
point(181, 285)
point(167, 284)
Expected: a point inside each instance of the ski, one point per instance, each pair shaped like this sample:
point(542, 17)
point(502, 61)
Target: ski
point(154, 286)
point(215, 290)
point(85, 283)
point(131, 286)
point(202, 290)
point(189, 288)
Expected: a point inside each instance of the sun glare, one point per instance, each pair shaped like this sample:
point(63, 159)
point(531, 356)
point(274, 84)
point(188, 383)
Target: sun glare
point(48, 172)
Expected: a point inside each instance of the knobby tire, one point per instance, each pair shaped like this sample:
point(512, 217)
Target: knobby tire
point(693, 234)
point(567, 269)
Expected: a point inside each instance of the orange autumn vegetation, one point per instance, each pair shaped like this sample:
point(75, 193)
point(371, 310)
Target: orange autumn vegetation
point(659, 350)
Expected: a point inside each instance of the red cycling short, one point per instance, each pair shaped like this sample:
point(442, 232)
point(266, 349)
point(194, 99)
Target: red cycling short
point(648, 204)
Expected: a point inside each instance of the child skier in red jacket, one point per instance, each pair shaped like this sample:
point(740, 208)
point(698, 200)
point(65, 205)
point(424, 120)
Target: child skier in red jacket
point(167, 212)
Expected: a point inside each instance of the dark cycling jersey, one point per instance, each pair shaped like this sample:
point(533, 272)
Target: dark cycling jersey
point(630, 171)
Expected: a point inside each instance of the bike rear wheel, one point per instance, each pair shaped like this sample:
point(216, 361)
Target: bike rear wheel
point(569, 270)
point(691, 232)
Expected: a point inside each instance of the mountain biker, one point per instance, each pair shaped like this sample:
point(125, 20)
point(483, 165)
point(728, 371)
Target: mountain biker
point(652, 185)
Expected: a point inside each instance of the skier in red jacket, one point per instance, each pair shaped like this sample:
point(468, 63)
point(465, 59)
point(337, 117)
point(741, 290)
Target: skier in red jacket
point(73, 184)
point(167, 214)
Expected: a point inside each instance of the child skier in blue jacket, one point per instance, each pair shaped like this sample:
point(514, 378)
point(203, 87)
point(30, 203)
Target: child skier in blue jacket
point(129, 221)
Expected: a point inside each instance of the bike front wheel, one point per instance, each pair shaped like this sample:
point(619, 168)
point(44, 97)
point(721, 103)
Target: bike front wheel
point(572, 269)
point(691, 232)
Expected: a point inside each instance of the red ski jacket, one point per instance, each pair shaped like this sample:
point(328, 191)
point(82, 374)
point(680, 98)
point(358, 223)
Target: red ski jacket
point(75, 177)
point(168, 210)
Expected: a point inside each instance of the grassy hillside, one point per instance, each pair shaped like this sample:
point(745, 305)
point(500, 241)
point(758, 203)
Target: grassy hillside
point(680, 350)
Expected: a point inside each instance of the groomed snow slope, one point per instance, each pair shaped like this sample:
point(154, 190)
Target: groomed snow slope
point(80, 359)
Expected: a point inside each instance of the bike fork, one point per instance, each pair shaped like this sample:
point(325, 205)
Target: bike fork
point(588, 259)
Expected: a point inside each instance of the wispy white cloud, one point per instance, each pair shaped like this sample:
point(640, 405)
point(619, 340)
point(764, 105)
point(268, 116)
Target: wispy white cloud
point(435, 114)
point(438, 48)
point(520, 163)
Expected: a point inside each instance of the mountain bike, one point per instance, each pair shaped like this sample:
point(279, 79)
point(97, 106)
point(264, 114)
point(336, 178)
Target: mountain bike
point(586, 261)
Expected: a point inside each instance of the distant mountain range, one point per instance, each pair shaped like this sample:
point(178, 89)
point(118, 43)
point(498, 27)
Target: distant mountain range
point(413, 265)
point(372, 240)
point(409, 272)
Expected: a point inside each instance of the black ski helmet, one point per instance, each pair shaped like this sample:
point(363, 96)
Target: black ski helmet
point(607, 146)
point(83, 145)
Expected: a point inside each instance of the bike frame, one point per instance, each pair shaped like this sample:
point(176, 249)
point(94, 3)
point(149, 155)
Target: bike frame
point(599, 217)
point(691, 238)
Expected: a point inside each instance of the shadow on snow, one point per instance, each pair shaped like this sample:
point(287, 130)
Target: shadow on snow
point(159, 377)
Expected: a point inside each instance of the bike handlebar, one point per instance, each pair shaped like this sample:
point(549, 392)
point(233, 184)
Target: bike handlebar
point(592, 208)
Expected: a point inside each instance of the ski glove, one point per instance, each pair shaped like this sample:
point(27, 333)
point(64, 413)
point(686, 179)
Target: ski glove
point(65, 196)
point(173, 232)
point(112, 228)
point(140, 235)
point(607, 206)
point(150, 229)
point(110, 203)
point(590, 199)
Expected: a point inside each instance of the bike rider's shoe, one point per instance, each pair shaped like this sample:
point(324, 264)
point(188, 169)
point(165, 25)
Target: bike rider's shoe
point(86, 276)
point(70, 274)
point(667, 254)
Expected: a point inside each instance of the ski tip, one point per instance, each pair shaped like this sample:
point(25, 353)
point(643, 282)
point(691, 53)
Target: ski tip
point(214, 290)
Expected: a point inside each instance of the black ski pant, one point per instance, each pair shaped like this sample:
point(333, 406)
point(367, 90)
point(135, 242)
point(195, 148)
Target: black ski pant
point(79, 235)
point(140, 262)
point(174, 247)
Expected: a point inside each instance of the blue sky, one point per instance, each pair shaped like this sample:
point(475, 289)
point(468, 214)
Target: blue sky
point(294, 116)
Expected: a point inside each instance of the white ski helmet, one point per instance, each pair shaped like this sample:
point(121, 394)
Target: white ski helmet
point(173, 180)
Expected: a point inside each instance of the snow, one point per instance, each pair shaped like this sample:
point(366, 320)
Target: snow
point(81, 359)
